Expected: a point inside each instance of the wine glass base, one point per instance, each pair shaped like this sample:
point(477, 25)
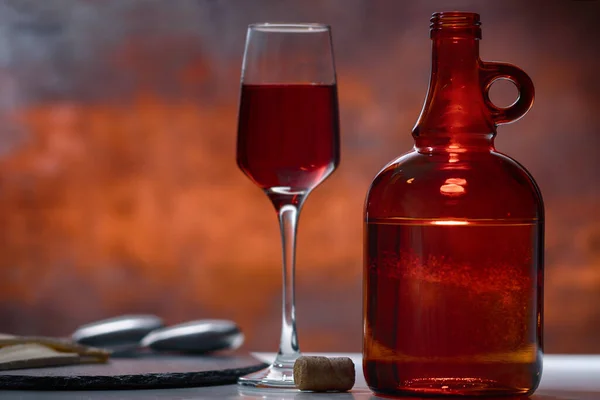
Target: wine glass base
point(275, 376)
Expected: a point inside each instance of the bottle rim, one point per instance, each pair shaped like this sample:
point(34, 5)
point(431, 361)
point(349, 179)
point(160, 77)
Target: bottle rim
point(458, 23)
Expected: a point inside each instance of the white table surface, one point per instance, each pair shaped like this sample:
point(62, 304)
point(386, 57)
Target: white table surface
point(564, 378)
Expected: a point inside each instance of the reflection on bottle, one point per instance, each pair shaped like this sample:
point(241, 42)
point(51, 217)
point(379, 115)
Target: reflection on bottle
point(453, 187)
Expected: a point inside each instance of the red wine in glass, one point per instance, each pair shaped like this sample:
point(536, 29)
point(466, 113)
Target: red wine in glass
point(288, 135)
point(288, 143)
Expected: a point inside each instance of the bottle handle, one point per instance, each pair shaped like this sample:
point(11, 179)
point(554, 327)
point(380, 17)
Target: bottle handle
point(490, 72)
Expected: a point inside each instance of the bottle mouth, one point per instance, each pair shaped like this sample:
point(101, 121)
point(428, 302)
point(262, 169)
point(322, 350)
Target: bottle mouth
point(455, 24)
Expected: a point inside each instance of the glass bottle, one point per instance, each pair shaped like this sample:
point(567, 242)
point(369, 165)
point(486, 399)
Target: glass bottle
point(454, 239)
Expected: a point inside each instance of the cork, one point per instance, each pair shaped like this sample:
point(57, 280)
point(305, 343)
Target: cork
point(322, 374)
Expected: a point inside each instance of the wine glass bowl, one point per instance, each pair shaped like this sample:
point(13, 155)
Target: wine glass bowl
point(287, 141)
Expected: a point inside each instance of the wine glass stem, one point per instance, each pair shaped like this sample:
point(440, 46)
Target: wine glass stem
point(288, 348)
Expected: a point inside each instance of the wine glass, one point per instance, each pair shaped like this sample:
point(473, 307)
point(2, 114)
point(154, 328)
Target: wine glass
point(288, 143)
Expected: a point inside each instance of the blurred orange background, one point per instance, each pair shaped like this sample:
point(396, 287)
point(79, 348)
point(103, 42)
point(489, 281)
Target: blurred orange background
point(119, 191)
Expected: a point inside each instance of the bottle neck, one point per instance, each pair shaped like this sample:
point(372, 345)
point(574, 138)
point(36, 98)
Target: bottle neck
point(455, 115)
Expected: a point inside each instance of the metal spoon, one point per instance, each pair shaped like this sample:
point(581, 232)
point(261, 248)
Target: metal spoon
point(118, 333)
point(127, 334)
point(202, 336)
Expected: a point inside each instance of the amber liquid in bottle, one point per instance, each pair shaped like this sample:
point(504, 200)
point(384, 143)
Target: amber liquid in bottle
point(453, 274)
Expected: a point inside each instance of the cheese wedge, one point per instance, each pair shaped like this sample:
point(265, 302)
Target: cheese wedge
point(59, 345)
point(18, 352)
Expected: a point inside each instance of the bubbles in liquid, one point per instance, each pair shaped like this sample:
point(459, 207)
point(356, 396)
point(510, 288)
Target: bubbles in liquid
point(451, 305)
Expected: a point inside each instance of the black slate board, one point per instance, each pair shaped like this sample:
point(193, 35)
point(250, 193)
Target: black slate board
point(145, 372)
